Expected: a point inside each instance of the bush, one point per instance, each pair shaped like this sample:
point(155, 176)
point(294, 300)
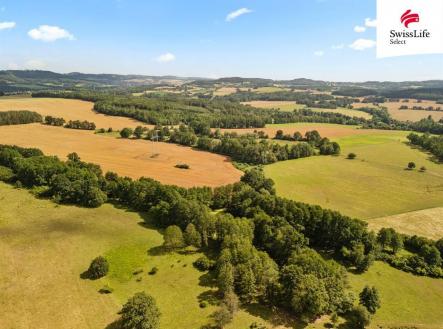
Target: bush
point(411, 165)
point(182, 166)
point(352, 156)
point(126, 133)
point(153, 271)
point(106, 290)
point(6, 174)
point(203, 304)
point(204, 264)
point(99, 268)
point(140, 312)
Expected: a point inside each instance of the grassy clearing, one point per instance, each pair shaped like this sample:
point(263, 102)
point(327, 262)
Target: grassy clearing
point(45, 247)
point(407, 300)
point(374, 185)
point(428, 223)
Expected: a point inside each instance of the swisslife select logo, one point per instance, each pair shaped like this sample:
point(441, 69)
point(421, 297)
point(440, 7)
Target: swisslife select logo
point(409, 27)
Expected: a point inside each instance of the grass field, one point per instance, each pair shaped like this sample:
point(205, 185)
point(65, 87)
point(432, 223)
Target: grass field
point(408, 115)
point(428, 223)
point(68, 109)
point(288, 106)
point(325, 129)
point(45, 247)
point(132, 158)
point(407, 301)
point(374, 185)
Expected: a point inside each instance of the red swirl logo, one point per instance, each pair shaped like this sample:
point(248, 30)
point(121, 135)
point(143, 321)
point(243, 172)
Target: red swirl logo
point(408, 18)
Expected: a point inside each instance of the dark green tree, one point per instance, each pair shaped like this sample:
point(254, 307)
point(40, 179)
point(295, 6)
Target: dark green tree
point(370, 299)
point(140, 312)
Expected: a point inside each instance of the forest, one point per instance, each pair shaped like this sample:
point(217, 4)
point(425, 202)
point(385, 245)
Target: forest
point(19, 117)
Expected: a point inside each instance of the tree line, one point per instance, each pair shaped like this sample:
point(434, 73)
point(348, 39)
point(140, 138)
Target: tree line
point(433, 144)
point(19, 117)
point(266, 246)
point(71, 124)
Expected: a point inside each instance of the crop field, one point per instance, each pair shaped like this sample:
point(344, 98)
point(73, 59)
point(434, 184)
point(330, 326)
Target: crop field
point(67, 109)
point(407, 301)
point(427, 222)
point(325, 129)
point(45, 247)
point(375, 184)
point(132, 158)
point(409, 114)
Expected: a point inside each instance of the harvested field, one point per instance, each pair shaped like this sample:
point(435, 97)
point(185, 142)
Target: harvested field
point(325, 129)
point(427, 222)
point(132, 158)
point(68, 109)
point(409, 115)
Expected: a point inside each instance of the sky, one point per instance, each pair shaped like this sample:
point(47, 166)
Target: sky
point(280, 39)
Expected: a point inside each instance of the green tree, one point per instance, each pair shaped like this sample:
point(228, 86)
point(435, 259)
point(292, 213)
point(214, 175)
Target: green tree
point(126, 132)
point(140, 312)
point(138, 132)
point(173, 237)
point(192, 237)
point(384, 237)
point(411, 165)
point(396, 242)
point(98, 268)
point(360, 317)
point(370, 299)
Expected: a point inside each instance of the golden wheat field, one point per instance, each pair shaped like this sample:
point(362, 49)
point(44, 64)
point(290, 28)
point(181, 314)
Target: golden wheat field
point(68, 109)
point(132, 158)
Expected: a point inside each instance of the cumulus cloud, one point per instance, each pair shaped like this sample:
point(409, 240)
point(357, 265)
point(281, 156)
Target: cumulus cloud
point(7, 25)
point(370, 22)
point(166, 58)
point(319, 53)
point(237, 13)
point(362, 44)
point(359, 29)
point(48, 33)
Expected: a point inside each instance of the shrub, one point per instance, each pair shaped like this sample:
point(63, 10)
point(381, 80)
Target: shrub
point(204, 264)
point(182, 166)
point(173, 237)
point(153, 271)
point(352, 156)
point(106, 290)
point(6, 174)
point(99, 268)
point(422, 169)
point(126, 132)
point(137, 271)
point(203, 304)
point(411, 165)
point(140, 312)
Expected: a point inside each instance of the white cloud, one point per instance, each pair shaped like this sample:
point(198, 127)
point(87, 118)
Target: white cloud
point(35, 64)
point(319, 53)
point(362, 44)
point(339, 46)
point(166, 58)
point(7, 25)
point(233, 15)
point(359, 29)
point(370, 22)
point(13, 66)
point(48, 33)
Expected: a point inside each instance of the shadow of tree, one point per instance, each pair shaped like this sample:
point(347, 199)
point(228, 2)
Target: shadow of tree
point(208, 280)
point(158, 251)
point(114, 325)
point(274, 316)
point(210, 296)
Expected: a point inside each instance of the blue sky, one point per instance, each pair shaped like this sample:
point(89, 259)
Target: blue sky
point(282, 39)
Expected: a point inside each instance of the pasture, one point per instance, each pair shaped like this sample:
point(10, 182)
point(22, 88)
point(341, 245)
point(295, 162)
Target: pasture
point(132, 158)
point(375, 184)
point(409, 114)
point(46, 247)
point(427, 223)
point(68, 109)
point(288, 106)
point(407, 301)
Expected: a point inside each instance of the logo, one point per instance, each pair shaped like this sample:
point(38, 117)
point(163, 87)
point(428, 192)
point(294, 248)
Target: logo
point(408, 18)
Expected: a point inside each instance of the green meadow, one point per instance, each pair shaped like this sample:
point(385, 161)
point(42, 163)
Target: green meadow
point(375, 184)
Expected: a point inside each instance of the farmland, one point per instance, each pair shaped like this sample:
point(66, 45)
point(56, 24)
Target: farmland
point(132, 158)
point(289, 106)
point(409, 114)
point(67, 109)
point(373, 185)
